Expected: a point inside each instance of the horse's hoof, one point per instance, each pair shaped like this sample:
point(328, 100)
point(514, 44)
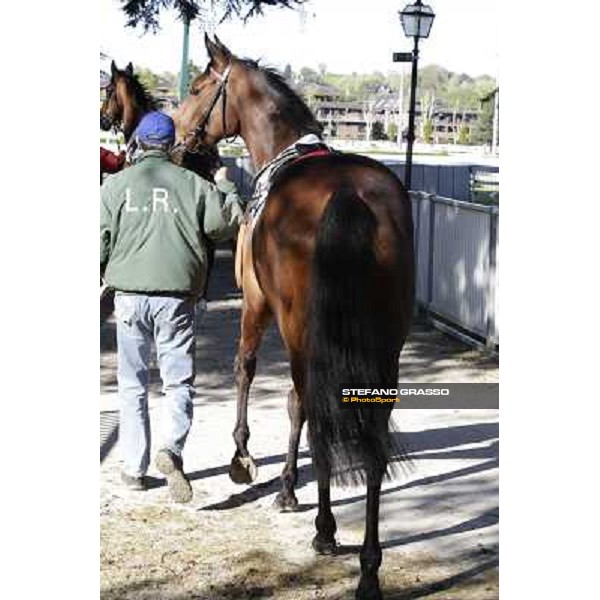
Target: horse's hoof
point(368, 589)
point(286, 502)
point(321, 546)
point(242, 469)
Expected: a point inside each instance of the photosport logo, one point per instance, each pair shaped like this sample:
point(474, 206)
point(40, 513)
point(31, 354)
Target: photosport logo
point(423, 395)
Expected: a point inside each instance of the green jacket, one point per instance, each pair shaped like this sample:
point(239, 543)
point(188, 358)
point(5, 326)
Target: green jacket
point(153, 219)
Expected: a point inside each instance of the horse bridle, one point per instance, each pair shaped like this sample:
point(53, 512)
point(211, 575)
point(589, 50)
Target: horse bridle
point(107, 120)
point(197, 135)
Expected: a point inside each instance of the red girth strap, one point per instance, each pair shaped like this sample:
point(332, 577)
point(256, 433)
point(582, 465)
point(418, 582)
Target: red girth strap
point(318, 152)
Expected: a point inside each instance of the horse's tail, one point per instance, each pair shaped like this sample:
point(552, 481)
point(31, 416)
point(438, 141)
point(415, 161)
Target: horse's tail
point(350, 342)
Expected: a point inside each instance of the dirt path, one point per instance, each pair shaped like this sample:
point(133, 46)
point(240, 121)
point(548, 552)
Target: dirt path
point(439, 522)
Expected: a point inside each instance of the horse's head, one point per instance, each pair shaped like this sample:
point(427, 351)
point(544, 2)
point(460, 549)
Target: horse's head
point(210, 113)
point(118, 108)
point(203, 161)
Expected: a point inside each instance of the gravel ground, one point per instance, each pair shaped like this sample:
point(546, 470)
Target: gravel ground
point(439, 520)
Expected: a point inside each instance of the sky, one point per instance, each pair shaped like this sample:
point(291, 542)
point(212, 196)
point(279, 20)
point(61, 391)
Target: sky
point(346, 35)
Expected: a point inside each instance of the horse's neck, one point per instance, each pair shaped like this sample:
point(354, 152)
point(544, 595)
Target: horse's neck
point(133, 112)
point(264, 150)
point(132, 116)
point(265, 136)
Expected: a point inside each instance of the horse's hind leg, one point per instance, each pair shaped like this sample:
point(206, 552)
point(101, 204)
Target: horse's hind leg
point(370, 554)
point(286, 499)
point(255, 319)
point(324, 541)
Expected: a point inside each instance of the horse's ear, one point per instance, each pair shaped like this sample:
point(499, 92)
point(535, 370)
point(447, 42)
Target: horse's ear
point(129, 70)
point(211, 47)
point(113, 68)
point(222, 47)
point(219, 56)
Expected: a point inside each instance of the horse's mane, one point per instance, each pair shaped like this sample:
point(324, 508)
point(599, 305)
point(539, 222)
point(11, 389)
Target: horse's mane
point(289, 103)
point(144, 98)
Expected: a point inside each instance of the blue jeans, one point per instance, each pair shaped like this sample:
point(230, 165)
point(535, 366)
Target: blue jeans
point(170, 322)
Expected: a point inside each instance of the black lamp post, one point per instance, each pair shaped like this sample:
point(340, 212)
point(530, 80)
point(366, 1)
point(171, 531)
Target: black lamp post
point(416, 20)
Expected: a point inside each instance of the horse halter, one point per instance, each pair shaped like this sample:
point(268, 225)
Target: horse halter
point(107, 120)
point(221, 92)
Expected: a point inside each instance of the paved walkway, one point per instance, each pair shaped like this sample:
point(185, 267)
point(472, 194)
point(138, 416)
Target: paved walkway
point(439, 521)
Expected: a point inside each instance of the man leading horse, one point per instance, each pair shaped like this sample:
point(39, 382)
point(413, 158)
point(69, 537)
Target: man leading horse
point(154, 220)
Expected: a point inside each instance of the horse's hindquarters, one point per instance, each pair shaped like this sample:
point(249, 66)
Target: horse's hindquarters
point(333, 255)
point(285, 239)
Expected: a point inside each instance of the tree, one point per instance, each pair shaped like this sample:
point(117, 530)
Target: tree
point(392, 132)
point(147, 78)
point(455, 126)
point(427, 131)
point(427, 106)
point(368, 112)
point(146, 13)
point(370, 84)
point(463, 134)
point(194, 70)
point(308, 75)
point(377, 132)
point(483, 130)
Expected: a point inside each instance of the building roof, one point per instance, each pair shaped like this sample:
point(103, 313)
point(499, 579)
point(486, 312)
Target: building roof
point(319, 89)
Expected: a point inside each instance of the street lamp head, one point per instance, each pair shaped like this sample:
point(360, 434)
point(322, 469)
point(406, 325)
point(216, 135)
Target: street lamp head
point(417, 19)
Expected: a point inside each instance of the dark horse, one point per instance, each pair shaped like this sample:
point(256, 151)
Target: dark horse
point(331, 259)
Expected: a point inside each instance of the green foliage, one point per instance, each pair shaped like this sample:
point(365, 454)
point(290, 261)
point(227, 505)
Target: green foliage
point(484, 128)
point(193, 72)
point(427, 131)
point(147, 78)
point(146, 13)
point(463, 135)
point(454, 89)
point(355, 86)
point(308, 76)
point(378, 131)
point(392, 131)
point(450, 89)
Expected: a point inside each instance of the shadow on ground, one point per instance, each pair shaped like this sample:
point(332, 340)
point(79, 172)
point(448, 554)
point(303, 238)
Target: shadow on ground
point(258, 574)
point(173, 572)
point(448, 439)
point(425, 356)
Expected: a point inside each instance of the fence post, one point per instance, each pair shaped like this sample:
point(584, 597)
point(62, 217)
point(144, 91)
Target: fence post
point(470, 190)
point(492, 291)
point(416, 244)
point(430, 255)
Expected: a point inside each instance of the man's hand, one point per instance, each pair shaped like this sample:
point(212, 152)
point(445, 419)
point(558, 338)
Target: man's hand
point(221, 174)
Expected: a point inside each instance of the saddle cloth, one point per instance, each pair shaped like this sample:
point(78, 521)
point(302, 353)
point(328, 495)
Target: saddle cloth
point(263, 180)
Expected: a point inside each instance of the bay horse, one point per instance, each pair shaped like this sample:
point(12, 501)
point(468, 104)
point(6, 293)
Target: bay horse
point(126, 101)
point(331, 260)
